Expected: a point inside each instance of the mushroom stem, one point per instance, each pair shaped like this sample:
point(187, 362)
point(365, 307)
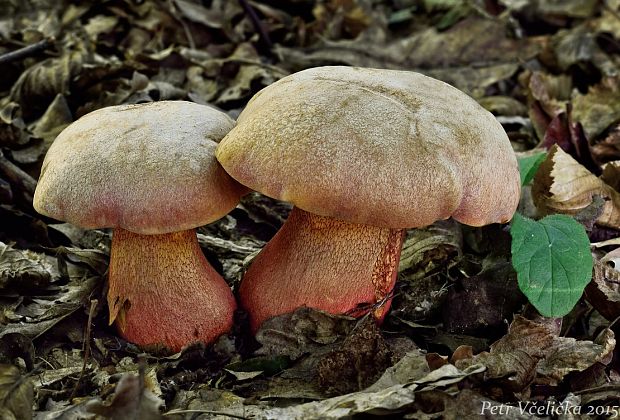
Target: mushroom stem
point(164, 292)
point(322, 263)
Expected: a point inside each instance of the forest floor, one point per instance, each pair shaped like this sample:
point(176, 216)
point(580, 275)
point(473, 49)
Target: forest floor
point(460, 339)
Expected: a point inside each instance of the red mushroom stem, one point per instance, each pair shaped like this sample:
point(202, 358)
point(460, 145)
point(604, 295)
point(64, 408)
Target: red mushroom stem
point(163, 290)
point(322, 263)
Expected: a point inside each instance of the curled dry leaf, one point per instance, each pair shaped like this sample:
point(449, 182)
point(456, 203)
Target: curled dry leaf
point(603, 292)
point(425, 253)
point(44, 130)
point(13, 133)
point(131, 400)
point(550, 91)
point(608, 148)
point(563, 185)
point(40, 83)
point(24, 270)
point(570, 355)
point(513, 358)
point(531, 349)
point(599, 108)
point(611, 174)
point(428, 249)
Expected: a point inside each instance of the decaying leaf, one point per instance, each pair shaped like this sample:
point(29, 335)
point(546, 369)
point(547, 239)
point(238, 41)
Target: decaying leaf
point(131, 400)
point(390, 399)
point(425, 250)
point(480, 304)
point(216, 403)
point(13, 132)
point(301, 332)
point(562, 185)
point(608, 148)
point(599, 108)
point(357, 363)
point(569, 355)
point(410, 367)
point(25, 270)
point(603, 292)
point(551, 92)
point(515, 57)
point(39, 315)
point(39, 84)
point(306, 337)
point(46, 307)
point(531, 349)
point(16, 394)
point(45, 129)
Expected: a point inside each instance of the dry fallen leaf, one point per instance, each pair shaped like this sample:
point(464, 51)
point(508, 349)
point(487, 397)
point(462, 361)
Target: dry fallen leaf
point(563, 185)
point(603, 292)
point(599, 108)
point(25, 270)
point(131, 401)
point(16, 394)
point(532, 349)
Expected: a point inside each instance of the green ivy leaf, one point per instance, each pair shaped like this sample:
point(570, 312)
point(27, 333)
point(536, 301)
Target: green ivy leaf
point(553, 261)
point(529, 165)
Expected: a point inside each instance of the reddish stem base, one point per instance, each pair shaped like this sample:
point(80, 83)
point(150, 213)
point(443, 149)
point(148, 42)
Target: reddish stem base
point(164, 292)
point(322, 263)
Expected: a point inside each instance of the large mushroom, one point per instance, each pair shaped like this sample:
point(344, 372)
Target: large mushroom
point(362, 154)
point(149, 172)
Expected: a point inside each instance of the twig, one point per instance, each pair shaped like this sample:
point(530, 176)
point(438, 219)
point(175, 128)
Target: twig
point(86, 346)
point(613, 322)
point(217, 413)
point(258, 25)
point(27, 51)
point(16, 176)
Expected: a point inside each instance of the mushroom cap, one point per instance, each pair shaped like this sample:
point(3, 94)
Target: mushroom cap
point(380, 147)
point(147, 168)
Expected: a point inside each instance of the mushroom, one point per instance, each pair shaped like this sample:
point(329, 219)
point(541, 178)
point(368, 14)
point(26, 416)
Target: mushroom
point(362, 154)
point(149, 172)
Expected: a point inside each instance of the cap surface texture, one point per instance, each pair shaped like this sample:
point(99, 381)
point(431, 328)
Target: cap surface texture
point(148, 168)
point(380, 147)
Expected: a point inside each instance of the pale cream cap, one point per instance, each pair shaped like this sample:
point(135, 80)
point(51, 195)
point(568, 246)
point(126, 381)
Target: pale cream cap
point(147, 168)
point(380, 147)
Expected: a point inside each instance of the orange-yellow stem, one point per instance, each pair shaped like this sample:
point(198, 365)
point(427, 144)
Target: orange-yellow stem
point(164, 292)
point(322, 263)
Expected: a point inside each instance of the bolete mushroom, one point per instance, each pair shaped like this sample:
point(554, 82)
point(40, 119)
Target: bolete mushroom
point(149, 172)
point(362, 154)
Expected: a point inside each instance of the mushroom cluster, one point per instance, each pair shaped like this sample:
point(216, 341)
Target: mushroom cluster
point(362, 154)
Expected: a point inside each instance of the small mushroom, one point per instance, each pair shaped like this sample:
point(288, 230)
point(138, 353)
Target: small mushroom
point(362, 154)
point(149, 172)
